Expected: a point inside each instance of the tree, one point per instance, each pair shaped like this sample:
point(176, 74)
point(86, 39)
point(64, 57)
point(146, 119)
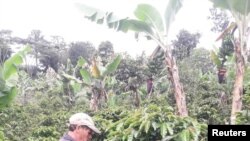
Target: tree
point(184, 44)
point(155, 26)
point(240, 11)
point(220, 19)
point(58, 42)
point(83, 49)
point(5, 50)
point(131, 68)
point(105, 51)
point(45, 52)
point(37, 41)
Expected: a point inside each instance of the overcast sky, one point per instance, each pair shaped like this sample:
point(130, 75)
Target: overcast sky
point(61, 17)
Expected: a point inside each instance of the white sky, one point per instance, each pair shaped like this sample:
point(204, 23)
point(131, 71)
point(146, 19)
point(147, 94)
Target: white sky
point(61, 17)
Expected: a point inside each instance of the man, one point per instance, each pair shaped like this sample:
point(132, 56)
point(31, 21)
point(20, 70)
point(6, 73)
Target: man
point(81, 128)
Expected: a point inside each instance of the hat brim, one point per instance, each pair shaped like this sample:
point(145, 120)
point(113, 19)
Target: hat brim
point(94, 129)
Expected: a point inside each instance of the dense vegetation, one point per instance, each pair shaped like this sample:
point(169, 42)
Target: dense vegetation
point(130, 98)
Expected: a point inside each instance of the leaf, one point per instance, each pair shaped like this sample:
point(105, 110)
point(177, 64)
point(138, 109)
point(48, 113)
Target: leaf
point(150, 15)
point(142, 125)
point(81, 61)
point(184, 135)
point(91, 13)
point(123, 24)
point(170, 129)
point(147, 126)
point(155, 125)
point(119, 126)
point(163, 130)
point(241, 6)
point(86, 76)
point(194, 133)
point(134, 25)
point(124, 138)
point(171, 10)
point(8, 97)
point(130, 137)
point(10, 65)
point(76, 86)
point(135, 133)
point(215, 59)
point(111, 67)
point(70, 77)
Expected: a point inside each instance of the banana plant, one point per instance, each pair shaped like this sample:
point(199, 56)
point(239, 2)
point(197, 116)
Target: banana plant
point(220, 57)
point(9, 77)
point(94, 78)
point(240, 10)
point(154, 26)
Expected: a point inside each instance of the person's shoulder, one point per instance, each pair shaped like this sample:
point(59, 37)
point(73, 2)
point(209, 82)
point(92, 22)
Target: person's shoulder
point(66, 137)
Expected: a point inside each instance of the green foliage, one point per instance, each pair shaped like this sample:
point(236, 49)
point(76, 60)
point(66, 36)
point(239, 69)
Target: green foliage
point(8, 77)
point(151, 23)
point(81, 49)
point(5, 50)
point(242, 6)
point(240, 11)
point(220, 57)
point(149, 20)
point(112, 66)
point(94, 85)
point(210, 102)
point(207, 100)
point(132, 68)
point(106, 52)
point(149, 123)
point(171, 10)
point(5, 53)
point(227, 47)
point(1, 134)
point(184, 44)
point(244, 116)
point(150, 15)
point(215, 58)
point(46, 118)
point(85, 76)
point(37, 123)
point(156, 63)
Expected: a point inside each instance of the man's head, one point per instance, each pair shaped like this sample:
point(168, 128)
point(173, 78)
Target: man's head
point(82, 126)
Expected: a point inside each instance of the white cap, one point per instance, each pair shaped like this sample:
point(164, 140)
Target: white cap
point(83, 119)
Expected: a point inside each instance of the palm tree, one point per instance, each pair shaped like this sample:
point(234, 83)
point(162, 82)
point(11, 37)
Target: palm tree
point(240, 10)
point(155, 26)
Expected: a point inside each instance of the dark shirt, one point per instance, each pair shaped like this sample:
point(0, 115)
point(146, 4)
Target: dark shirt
point(66, 137)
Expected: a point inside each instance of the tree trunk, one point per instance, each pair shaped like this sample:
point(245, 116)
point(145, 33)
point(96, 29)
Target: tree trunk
point(94, 101)
point(177, 86)
point(238, 84)
point(97, 97)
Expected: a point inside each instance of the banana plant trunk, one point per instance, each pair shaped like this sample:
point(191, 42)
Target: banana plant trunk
point(177, 86)
point(98, 97)
point(94, 101)
point(238, 84)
